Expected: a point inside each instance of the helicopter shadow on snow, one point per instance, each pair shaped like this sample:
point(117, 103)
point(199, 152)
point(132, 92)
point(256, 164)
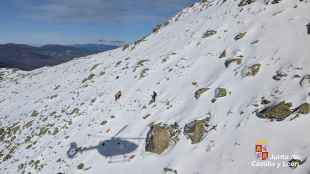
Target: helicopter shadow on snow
point(115, 147)
point(108, 148)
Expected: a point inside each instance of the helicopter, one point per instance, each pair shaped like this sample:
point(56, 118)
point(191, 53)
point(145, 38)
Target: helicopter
point(113, 147)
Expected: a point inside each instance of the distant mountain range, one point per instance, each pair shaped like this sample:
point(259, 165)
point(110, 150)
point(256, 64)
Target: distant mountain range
point(26, 57)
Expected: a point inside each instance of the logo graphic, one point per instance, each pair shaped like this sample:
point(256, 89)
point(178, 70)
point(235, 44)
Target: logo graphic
point(261, 149)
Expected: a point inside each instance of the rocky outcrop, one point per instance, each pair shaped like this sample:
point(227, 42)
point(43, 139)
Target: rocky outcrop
point(237, 61)
point(275, 1)
point(276, 112)
point(223, 54)
point(245, 2)
point(240, 36)
point(279, 75)
point(220, 92)
point(161, 136)
point(251, 70)
point(200, 91)
point(305, 81)
point(209, 33)
point(118, 95)
point(170, 171)
point(303, 108)
point(196, 130)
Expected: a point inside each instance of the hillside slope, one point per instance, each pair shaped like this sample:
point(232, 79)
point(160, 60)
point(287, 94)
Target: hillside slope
point(231, 65)
point(27, 58)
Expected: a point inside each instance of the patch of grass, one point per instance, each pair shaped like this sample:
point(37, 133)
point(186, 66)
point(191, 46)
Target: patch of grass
point(199, 92)
point(209, 33)
point(139, 41)
point(81, 166)
point(28, 124)
point(140, 63)
point(74, 111)
point(9, 133)
point(238, 61)
point(157, 28)
point(90, 77)
point(240, 36)
point(35, 164)
point(56, 131)
point(94, 67)
point(7, 157)
point(118, 63)
point(2, 76)
point(144, 73)
point(43, 131)
point(251, 70)
point(194, 83)
point(220, 92)
point(34, 113)
point(125, 47)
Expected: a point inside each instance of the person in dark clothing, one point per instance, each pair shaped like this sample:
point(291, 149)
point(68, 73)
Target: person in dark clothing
point(154, 95)
point(308, 28)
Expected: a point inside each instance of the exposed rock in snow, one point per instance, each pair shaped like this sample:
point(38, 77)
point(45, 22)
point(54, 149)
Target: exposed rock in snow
point(43, 111)
point(305, 81)
point(220, 92)
point(230, 61)
point(303, 108)
point(196, 130)
point(200, 91)
point(160, 136)
point(250, 70)
point(278, 112)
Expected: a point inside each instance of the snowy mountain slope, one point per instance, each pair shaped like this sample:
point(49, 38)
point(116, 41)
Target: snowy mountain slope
point(45, 110)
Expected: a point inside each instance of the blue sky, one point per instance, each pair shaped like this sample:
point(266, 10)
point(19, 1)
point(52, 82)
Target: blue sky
point(82, 21)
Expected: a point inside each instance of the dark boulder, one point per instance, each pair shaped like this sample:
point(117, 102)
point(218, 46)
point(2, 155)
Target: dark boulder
point(161, 136)
point(195, 130)
point(245, 2)
point(277, 112)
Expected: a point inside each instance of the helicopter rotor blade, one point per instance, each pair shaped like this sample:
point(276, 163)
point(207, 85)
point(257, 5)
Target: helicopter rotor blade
point(121, 130)
point(131, 138)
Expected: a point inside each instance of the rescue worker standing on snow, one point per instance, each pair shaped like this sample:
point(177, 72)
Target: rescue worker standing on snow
point(154, 95)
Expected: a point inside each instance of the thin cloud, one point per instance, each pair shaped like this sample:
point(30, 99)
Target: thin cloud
point(100, 10)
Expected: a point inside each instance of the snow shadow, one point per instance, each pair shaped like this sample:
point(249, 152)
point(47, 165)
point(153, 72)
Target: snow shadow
point(107, 148)
point(115, 147)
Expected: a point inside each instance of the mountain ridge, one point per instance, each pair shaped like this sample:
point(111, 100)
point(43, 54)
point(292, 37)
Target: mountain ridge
point(229, 69)
point(28, 57)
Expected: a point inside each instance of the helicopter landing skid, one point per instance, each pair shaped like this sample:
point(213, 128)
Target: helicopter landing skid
point(124, 158)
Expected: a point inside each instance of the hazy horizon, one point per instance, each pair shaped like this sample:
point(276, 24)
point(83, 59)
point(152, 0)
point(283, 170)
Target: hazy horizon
point(77, 21)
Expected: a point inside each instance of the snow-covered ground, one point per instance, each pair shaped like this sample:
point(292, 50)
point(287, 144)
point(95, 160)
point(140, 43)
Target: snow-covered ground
point(43, 111)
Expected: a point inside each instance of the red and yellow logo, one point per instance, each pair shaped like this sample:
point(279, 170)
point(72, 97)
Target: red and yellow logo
point(261, 149)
